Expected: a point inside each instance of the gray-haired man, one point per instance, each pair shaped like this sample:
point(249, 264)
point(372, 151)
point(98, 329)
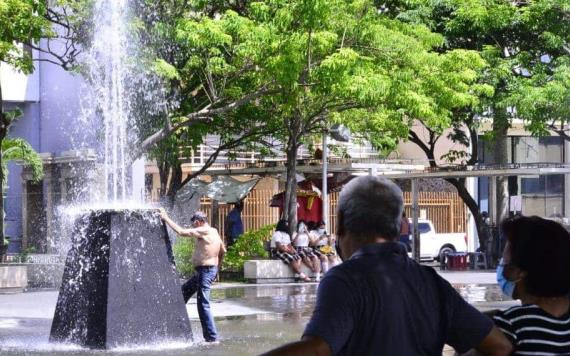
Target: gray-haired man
point(379, 301)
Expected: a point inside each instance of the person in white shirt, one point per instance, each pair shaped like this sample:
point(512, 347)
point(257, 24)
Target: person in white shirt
point(323, 246)
point(282, 249)
point(308, 256)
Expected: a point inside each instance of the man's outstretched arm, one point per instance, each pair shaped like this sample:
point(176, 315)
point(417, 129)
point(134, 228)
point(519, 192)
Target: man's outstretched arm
point(177, 228)
point(309, 345)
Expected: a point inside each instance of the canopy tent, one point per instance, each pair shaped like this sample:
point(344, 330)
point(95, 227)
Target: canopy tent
point(309, 202)
point(224, 189)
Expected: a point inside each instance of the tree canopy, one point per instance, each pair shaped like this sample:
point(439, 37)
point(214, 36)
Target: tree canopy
point(289, 69)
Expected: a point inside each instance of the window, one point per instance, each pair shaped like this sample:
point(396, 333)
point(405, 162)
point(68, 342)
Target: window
point(424, 228)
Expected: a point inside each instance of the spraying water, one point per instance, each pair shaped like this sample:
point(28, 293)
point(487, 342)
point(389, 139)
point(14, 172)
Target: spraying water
point(109, 50)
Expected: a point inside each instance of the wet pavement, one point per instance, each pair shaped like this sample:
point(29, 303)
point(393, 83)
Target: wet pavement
point(250, 318)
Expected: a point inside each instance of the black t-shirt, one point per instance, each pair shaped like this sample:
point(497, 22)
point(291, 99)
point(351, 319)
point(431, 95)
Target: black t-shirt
point(535, 332)
point(380, 302)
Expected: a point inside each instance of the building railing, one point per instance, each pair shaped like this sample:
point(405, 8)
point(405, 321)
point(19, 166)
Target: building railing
point(200, 155)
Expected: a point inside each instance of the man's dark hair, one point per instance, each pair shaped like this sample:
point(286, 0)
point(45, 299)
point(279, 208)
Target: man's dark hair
point(370, 207)
point(541, 248)
point(199, 216)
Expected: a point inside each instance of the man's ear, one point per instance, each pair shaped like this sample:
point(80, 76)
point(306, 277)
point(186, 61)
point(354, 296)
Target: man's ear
point(340, 224)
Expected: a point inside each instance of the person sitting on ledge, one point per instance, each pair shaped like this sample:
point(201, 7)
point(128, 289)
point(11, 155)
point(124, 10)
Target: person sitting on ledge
point(381, 302)
point(282, 249)
point(322, 245)
point(536, 269)
point(308, 256)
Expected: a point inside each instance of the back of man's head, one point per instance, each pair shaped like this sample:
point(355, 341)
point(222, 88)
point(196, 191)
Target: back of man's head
point(370, 207)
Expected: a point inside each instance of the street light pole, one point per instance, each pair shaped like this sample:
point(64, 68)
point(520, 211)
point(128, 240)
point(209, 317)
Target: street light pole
point(325, 194)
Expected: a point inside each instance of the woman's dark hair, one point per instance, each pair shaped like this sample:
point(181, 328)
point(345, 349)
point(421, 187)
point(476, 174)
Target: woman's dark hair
point(282, 226)
point(541, 248)
point(311, 225)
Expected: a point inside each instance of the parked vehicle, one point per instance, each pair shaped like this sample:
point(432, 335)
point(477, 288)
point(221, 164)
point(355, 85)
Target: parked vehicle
point(433, 245)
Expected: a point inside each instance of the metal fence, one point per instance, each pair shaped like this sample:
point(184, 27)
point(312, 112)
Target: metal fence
point(445, 209)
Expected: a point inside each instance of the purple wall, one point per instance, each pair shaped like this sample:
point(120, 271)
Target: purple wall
point(61, 111)
point(26, 127)
point(53, 125)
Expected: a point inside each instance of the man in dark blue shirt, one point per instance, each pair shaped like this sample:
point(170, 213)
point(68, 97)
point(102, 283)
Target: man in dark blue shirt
point(379, 301)
point(234, 224)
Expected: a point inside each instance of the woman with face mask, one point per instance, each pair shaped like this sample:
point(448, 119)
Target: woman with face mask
point(323, 246)
point(535, 268)
point(301, 243)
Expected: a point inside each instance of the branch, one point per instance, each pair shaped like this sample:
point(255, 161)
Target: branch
point(204, 115)
point(164, 133)
point(206, 112)
point(560, 131)
point(413, 137)
point(61, 58)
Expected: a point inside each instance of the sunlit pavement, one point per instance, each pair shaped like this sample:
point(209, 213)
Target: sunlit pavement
point(250, 318)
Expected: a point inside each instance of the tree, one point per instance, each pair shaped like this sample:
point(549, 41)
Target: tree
point(288, 69)
point(344, 62)
point(212, 70)
point(525, 46)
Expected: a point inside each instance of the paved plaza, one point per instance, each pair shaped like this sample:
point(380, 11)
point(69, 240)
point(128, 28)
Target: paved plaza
point(250, 318)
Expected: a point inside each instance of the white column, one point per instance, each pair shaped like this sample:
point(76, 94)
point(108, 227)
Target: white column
point(472, 236)
point(566, 180)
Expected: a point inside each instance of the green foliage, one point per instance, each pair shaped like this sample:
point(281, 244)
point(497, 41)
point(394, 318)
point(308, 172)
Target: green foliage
point(22, 22)
point(17, 149)
point(249, 246)
point(183, 250)
point(527, 47)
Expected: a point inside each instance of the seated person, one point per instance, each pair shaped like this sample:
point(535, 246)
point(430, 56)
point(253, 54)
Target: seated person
point(282, 249)
point(308, 256)
point(536, 269)
point(322, 244)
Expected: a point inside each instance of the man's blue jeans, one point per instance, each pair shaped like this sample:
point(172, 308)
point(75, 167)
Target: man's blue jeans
point(201, 282)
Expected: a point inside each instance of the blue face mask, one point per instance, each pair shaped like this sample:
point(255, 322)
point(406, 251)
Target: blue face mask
point(508, 287)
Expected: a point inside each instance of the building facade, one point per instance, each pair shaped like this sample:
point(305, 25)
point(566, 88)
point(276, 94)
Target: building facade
point(52, 122)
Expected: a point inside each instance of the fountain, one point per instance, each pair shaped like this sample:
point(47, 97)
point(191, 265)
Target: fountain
point(119, 286)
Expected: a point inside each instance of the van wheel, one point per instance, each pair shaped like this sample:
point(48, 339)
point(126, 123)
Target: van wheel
point(444, 251)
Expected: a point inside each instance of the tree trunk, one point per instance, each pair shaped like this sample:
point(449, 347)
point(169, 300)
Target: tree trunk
point(459, 184)
point(290, 206)
point(165, 199)
point(482, 232)
point(175, 184)
point(501, 157)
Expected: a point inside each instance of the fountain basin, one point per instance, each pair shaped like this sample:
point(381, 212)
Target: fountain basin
point(119, 285)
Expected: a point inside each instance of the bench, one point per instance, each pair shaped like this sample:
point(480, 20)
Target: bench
point(270, 271)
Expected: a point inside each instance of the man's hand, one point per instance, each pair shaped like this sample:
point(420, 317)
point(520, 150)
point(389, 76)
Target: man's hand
point(163, 214)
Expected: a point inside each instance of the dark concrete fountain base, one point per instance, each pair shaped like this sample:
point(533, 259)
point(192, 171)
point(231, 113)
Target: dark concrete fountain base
point(119, 286)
